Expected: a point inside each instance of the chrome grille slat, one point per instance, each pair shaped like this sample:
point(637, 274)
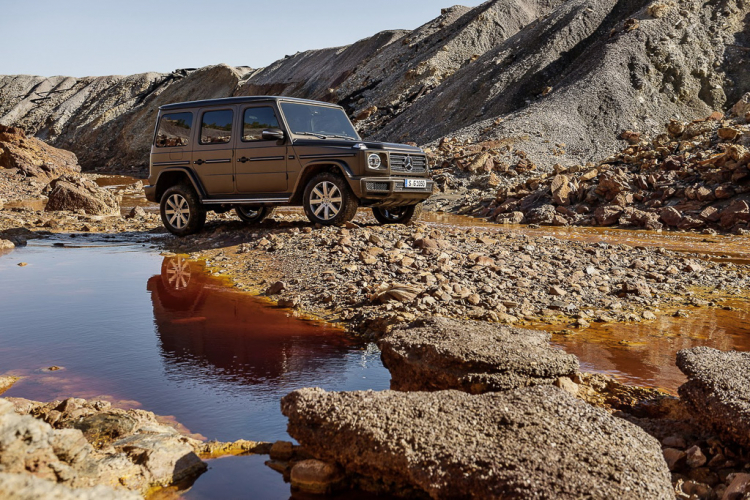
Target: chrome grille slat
point(399, 163)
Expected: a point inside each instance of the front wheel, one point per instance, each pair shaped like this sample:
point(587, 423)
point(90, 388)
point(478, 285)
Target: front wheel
point(252, 215)
point(397, 215)
point(181, 212)
point(329, 201)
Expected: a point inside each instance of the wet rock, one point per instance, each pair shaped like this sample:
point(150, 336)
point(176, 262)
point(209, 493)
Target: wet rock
point(440, 353)
point(77, 193)
point(281, 450)
point(718, 390)
point(166, 457)
point(6, 245)
point(315, 476)
point(28, 487)
point(455, 445)
point(217, 449)
point(6, 383)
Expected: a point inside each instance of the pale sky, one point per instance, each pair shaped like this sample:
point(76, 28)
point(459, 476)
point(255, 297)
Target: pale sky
point(102, 37)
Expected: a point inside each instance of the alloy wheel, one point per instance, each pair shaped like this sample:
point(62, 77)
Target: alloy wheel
point(178, 211)
point(326, 200)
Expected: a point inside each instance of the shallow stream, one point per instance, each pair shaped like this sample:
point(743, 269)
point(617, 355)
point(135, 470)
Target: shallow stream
point(158, 333)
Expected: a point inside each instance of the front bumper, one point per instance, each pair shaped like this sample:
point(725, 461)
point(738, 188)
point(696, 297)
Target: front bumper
point(150, 193)
point(391, 191)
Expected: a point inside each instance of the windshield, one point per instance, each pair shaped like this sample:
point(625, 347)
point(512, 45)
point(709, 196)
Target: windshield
point(318, 121)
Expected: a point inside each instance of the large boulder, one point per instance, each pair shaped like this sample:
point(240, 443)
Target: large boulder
point(536, 442)
point(718, 390)
point(71, 192)
point(472, 356)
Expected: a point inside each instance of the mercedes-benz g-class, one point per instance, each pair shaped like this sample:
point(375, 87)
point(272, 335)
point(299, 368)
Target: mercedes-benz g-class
point(252, 154)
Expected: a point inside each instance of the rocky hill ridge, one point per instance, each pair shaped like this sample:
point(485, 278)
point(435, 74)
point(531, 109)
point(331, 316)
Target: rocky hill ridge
point(562, 78)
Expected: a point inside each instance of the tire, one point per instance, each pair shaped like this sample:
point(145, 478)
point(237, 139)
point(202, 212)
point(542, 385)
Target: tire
point(330, 196)
point(398, 215)
point(252, 215)
point(181, 212)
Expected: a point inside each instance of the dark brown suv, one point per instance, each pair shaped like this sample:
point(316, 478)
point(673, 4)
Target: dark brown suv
point(255, 153)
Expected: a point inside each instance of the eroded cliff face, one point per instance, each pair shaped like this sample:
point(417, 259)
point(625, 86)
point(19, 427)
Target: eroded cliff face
point(560, 78)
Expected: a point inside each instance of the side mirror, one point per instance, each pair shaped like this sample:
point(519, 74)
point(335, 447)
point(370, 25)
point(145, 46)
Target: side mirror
point(273, 134)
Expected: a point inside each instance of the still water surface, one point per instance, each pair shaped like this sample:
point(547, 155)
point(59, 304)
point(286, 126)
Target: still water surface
point(134, 327)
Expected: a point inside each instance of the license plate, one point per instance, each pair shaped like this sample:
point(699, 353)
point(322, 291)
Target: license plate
point(415, 183)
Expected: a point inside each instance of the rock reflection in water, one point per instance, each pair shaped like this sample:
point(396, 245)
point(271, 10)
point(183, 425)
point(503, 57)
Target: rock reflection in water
point(209, 332)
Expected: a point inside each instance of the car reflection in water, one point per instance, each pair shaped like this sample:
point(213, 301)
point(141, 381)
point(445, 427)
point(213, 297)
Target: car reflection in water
point(213, 333)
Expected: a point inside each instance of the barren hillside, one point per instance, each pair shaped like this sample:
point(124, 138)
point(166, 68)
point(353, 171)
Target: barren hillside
point(560, 79)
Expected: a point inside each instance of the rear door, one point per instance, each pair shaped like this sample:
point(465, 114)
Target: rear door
point(213, 149)
point(260, 165)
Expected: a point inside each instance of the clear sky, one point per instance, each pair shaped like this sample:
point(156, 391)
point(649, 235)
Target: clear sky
point(103, 37)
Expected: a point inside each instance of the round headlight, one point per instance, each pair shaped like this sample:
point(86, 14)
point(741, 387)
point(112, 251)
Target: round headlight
point(373, 161)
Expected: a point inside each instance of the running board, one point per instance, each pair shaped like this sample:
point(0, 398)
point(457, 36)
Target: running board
point(245, 201)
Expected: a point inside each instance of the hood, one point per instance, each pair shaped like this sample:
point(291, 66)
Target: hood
point(345, 143)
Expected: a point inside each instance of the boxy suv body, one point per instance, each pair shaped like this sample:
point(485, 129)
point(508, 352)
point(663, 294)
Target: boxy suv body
point(252, 154)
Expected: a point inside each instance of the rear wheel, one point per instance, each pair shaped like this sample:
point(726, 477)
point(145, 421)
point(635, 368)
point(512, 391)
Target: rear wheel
point(397, 215)
point(329, 201)
point(252, 215)
point(181, 212)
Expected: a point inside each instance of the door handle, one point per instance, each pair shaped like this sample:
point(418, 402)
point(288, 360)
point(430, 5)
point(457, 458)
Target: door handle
point(243, 159)
point(199, 162)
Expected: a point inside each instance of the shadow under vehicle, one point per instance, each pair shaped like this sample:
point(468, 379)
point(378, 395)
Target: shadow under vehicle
point(252, 154)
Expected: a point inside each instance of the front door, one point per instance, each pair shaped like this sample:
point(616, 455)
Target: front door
point(212, 152)
point(260, 165)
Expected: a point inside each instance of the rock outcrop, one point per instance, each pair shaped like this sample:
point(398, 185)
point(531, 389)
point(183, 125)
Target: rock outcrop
point(476, 357)
point(84, 444)
point(535, 442)
point(718, 390)
point(78, 193)
point(559, 79)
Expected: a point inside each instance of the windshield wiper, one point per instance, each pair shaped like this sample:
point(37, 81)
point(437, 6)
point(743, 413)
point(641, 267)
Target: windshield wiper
point(343, 137)
point(319, 136)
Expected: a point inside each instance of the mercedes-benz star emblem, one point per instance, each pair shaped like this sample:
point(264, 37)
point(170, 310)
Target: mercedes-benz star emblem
point(408, 165)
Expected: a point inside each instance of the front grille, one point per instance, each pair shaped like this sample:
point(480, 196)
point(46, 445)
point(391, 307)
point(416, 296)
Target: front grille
point(377, 186)
point(401, 163)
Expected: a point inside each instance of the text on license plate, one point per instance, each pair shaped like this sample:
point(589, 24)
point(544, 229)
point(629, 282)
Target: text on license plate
point(415, 183)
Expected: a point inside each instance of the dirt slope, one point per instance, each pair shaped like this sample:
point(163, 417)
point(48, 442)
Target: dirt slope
point(561, 78)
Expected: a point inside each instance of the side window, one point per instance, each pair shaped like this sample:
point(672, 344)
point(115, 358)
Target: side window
point(217, 127)
point(174, 130)
point(255, 121)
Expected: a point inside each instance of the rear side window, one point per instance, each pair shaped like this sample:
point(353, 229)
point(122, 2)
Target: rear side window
point(255, 121)
point(174, 130)
point(217, 127)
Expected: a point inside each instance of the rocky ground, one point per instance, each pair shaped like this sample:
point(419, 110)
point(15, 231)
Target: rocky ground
point(693, 176)
point(372, 277)
point(89, 449)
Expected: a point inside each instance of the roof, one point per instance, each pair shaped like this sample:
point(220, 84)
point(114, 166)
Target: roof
point(226, 101)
